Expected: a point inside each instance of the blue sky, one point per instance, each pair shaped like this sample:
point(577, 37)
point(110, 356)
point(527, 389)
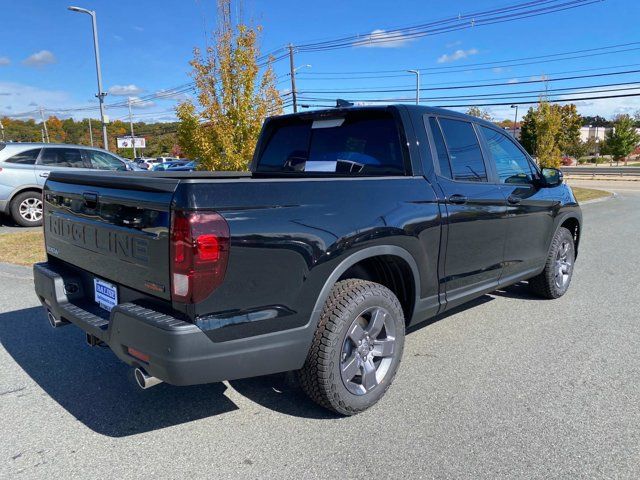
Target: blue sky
point(46, 54)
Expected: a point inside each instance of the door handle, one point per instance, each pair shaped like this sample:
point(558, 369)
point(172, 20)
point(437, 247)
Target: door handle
point(513, 200)
point(44, 174)
point(457, 199)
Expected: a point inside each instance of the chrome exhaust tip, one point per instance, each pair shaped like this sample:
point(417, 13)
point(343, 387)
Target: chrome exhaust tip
point(144, 380)
point(53, 321)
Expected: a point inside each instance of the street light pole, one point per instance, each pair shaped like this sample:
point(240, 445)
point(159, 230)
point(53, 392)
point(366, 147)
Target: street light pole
point(515, 120)
point(90, 132)
point(96, 49)
point(133, 138)
point(44, 124)
point(2, 130)
point(417, 73)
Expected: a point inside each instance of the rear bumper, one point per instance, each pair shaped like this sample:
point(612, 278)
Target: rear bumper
point(179, 352)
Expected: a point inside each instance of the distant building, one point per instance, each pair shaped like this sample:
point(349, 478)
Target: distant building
point(593, 133)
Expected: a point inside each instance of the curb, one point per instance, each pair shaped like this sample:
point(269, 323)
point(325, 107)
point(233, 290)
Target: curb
point(601, 199)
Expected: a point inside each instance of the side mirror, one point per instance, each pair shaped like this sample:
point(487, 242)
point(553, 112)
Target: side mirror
point(552, 177)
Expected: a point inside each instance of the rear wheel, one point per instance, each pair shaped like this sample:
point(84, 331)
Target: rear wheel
point(26, 209)
point(356, 349)
point(554, 280)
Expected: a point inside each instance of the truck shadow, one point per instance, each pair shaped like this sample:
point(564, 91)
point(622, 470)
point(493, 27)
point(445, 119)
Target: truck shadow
point(99, 390)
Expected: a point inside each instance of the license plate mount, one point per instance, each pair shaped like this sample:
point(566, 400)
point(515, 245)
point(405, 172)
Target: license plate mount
point(105, 294)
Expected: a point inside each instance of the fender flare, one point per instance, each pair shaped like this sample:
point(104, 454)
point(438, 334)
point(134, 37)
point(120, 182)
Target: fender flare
point(560, 219)
point(356, 257)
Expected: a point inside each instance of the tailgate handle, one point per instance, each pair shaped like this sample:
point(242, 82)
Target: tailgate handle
point(90, 199)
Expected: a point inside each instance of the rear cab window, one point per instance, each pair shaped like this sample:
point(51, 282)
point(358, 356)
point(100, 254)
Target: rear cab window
point(104, 161)
point(358, 143)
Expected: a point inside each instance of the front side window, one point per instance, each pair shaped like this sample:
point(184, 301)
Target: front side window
point(62, 157)
point(362, 143)
point(467, 164)
point(28, 157)
point(104, 161)
point(511, 164)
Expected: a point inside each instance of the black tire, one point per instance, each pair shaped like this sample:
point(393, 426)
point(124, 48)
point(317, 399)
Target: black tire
point(26, 209)
point(334, 355)
point(554, 280)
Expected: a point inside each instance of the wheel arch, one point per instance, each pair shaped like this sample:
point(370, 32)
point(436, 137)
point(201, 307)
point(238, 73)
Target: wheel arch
point(572, 222)
point(23, 189)
point(367, 254)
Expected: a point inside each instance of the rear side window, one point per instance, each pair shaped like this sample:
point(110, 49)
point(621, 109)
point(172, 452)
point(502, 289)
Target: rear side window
point(511, 164)
point(359, 143)
point(104, 161)
point(62, 157)
point(441, 148)
point(465, 155)
point(27, 157)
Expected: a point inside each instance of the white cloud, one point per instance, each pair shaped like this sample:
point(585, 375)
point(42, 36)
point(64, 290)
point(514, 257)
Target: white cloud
point(382, 39)
point(125, 90)
point(39, 59)
point(137, 102)
point(513, 80)
point(23, 98)
point(4, 61)
point(138, 28)
point(118, 38)
point(457, 55)
point(453, 44)
point(497, 69)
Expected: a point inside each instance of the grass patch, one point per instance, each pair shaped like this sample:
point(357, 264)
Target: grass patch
point(22, 248)
point(584, 194)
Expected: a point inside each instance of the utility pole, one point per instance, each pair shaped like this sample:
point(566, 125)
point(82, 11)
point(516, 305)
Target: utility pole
point(44, 124)
point(96, 49)
point(294, 94)
point(133, 138)
point(90, 132)
point(2, 130)
point(417, 74)
point(515, 120)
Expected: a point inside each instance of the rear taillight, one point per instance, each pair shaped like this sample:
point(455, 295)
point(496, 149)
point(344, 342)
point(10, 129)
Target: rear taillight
point(199, 254)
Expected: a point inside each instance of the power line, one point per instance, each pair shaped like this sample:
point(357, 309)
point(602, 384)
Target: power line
point(458, 87)
point(459, 22)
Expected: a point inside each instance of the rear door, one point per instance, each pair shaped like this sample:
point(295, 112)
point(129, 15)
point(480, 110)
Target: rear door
point(474, 211)
point(57, 159)
point(529, 207)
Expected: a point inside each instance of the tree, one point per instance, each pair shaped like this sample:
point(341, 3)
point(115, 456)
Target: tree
point(569, 136)
point(528, 135)
point(548, 128)
point(480, 113)
point(622, 139)
point(233, 98)
point(56, 132)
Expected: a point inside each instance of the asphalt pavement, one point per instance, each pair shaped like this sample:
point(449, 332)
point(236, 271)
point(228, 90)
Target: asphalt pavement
point(509, 386)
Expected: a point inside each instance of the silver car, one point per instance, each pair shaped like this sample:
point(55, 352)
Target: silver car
point(24, 167)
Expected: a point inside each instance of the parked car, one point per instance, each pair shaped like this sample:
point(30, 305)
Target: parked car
point(352, 225)
point(187, 167)
point(24, 167)
point(160, 167)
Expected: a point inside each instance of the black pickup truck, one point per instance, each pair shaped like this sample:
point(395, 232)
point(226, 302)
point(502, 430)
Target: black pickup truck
point(352, 225)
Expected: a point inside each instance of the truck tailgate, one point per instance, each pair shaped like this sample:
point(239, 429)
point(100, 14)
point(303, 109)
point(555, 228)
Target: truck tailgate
point(115, 226)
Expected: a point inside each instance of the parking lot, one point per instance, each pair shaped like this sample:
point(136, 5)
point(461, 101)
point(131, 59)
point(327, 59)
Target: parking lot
point(507, 386)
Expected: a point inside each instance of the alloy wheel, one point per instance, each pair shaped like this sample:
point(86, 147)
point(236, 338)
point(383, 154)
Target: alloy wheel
point(368, 350)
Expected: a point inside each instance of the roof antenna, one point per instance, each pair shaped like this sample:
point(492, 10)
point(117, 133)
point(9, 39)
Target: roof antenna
point(340, 103)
